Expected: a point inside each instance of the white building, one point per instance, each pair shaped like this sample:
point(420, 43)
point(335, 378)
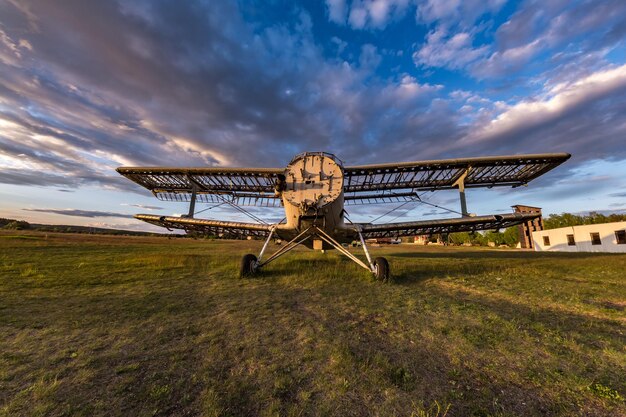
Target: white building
point(605, 237)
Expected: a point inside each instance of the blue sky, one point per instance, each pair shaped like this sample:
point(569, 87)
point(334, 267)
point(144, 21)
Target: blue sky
point(89, 85)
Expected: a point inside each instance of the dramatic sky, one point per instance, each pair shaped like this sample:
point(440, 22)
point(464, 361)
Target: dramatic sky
point(89, 85)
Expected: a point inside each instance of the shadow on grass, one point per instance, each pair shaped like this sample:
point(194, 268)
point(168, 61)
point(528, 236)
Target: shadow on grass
point(413, 277)
point(344, 267)
point(423, 272)
point(315, 265)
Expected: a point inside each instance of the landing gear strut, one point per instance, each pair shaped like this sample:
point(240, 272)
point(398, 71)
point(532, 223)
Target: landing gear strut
point(250, 264)
point(379, 267)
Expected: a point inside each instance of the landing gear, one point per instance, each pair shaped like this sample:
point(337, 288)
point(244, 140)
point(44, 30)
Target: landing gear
point(381, 269)
point(251, 265)
point(248, 265)
point(380, 266)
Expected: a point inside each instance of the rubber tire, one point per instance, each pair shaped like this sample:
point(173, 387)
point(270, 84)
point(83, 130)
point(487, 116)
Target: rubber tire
point(382, 269)
point(248, 265)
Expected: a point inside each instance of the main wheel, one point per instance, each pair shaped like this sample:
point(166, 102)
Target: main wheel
point(381, 269)
point(248, 265)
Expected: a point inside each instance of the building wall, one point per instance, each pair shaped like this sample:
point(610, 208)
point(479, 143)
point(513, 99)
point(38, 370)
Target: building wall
point(582, 237)
point(525, 230)
point(421, 240)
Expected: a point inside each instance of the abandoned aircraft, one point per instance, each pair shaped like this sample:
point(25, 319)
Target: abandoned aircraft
point(315, 186)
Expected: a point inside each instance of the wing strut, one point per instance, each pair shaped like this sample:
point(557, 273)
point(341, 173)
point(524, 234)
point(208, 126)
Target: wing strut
point(460, 183)
point(192, 203)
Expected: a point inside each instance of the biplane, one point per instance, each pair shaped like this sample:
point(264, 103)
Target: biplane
point(314, 189)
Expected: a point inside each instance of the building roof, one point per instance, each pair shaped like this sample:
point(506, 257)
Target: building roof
point(525, 206)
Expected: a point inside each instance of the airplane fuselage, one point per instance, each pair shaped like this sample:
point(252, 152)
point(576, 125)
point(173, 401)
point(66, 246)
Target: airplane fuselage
point(312, 195)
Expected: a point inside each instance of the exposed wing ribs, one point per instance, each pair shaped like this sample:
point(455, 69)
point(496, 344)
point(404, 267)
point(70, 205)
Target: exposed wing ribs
point(241, 186)
point(442, 174)
point(463, 224)
point(208, 227)
point(382, 197)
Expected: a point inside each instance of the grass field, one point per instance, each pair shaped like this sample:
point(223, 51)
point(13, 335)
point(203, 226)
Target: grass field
point(98, 325)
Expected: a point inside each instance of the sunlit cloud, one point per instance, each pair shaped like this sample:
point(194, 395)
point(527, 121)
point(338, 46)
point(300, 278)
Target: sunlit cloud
point(80, 213)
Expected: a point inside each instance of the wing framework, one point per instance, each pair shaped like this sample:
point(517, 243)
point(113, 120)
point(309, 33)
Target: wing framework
point(514, 171)
point(463, 224)
point(241, 186)
point(380, 197)
point(208, 227)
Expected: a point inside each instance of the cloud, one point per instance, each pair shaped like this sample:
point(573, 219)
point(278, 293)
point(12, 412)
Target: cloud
point(450, 42)
point(366, 14)
point(443, 50)
point(507, 61)
point(136, 226)
point(604, 212)
point(435, 213)
point(369, 58)
point(558, 22)
point(143, 206)
point(540, 27)
point(337, 10)
point(81, 213)
point(568, 29)
point(565, 118)
point(461, 13)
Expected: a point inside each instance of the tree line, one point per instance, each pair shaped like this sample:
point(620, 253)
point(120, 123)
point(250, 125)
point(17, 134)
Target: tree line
point(13, 224)
point(554, 221)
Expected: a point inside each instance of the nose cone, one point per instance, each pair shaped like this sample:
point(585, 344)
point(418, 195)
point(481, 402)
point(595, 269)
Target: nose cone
point(313, 180)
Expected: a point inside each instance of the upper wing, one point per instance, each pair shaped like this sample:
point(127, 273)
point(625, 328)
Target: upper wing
point(362, 184)
point(382, 196)
point(209, 227)
point(463, 224)
point(512, 170)
point(242, 186)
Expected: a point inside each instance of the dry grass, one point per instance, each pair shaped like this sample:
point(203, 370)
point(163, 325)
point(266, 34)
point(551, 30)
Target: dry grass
point(102, 325)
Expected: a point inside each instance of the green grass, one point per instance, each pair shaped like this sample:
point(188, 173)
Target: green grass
point(104, 325)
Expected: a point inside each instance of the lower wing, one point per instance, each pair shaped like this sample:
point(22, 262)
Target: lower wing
point(463, 224)
point(208, 227)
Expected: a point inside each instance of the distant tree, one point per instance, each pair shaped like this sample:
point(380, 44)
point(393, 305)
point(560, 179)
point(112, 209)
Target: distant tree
point(495, 237)
point(508, 237)
point(511, 236)
point(459, 238)
point(4, 222)
point(17, 225)
point(478, 238)
point(554, 221)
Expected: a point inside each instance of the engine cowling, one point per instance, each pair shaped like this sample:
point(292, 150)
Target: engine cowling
point(312, 181)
